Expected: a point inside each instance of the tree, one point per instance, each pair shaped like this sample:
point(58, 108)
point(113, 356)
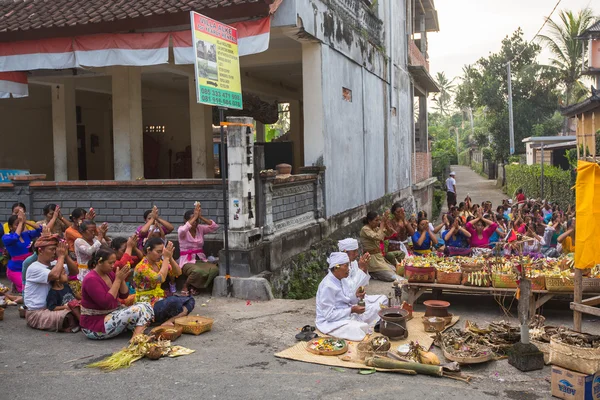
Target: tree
point(443, 101)
point(567, 50)
point(535, 98)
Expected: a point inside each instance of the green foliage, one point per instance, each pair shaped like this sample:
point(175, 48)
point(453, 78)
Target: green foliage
point(560, 39)
point(571, 156)
point(443, 100)
point(477, 167)
point(514, 159)
point(549, 127)
point(463, 158)
point(557, 182)
point(535, 98)
point(488, 154)
point(438, 200)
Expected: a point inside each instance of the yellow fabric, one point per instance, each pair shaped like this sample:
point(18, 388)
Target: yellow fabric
point(568, 246)
point(587, 230)
point(422, 252)
point(27, 227)
point(147, 296)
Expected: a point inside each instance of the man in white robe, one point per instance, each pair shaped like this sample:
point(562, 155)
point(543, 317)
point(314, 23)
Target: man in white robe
point(359, 273)
point(338, 313)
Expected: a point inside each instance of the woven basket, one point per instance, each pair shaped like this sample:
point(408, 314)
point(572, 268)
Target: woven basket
point(365, 351)
point(400, 269)
point(424, 275)
point(544, 348)
point(449, 278)
point(591, 285)
point(167, 332)
point(486, 281)
point(507, 281)
point(586, 361)
point(554, 284)
point(194, 325)
point(538, 283)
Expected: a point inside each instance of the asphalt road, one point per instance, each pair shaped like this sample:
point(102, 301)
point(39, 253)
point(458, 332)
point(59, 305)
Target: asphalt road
point(235, 360)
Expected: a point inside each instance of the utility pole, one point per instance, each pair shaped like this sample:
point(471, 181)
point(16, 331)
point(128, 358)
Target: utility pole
point(511, 131)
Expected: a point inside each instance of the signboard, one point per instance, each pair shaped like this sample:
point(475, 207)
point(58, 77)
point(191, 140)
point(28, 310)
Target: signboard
point(217, 65)
point(5, 173)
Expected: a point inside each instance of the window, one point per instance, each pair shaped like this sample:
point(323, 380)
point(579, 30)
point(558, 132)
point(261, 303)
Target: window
point(154, 129)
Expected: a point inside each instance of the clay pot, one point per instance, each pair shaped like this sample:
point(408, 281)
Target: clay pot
point(436, 308)
point(393, 323)
point(283, 169)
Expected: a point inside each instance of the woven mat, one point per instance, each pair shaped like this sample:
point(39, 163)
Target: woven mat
point(416, 333)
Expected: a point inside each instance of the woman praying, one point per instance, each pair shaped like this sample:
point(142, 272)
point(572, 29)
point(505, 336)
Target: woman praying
point(17, 243)
point(102, 316)
point(54, 220)
point(151, 273)
point(194, 264)
point(154, 227)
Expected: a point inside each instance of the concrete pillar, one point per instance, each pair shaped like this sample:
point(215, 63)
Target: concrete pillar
point(201, 135)
point(296, 135)
point(64, 131)
point(127, 123)
point(260, 132)
point(314, 119)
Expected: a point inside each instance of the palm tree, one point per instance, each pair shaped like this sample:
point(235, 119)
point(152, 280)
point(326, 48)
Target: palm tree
point(444, 99)
point(566, 49)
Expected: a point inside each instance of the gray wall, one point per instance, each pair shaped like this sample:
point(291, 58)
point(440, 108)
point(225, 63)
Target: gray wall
point(291, 200)
point(122, 206)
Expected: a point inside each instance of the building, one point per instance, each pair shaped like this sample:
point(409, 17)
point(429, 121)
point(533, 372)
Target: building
point(103, 104)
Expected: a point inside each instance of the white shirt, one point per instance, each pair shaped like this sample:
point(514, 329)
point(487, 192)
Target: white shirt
point(356, 278)
point(37, 285)
point(84, 252)
point(333, 305)
point(450, 184)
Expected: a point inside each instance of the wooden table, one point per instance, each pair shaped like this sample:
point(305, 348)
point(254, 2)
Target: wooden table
point(538, 297)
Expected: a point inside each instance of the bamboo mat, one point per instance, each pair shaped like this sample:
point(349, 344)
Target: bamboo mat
point(416, 333)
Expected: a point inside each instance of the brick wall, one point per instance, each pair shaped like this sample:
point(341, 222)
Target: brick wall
point(292, 199)
point(421, 166)
point(121, 204)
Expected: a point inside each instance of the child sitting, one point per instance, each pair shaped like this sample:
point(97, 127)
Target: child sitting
point(61, 297)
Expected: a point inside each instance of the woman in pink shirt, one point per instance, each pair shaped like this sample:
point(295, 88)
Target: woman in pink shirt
point(480, 235)
point(200, 273)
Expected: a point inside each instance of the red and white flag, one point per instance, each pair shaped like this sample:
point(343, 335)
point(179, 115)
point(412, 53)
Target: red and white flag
point(13, 83)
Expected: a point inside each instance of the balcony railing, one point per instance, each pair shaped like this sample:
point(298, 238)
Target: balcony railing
point(361, 16)
point(415, 57)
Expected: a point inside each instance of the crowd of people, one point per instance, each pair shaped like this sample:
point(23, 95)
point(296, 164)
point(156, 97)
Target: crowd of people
point(72, 276)
point(517, 226)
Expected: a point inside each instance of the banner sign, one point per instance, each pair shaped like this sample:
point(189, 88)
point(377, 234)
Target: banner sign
point(217, 65)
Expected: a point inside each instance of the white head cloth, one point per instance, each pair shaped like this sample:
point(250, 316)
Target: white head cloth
point(348, 244)
point(337, 258)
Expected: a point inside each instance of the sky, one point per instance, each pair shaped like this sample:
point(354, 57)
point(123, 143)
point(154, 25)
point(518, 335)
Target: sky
point(471, 29)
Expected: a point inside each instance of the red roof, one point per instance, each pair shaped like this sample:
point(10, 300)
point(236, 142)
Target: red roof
point(24, 15)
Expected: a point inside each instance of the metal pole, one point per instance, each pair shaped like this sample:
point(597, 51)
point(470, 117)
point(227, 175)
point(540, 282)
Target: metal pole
point(511, 131)
point(542, 150)
point(457, 148)
point(223, 167)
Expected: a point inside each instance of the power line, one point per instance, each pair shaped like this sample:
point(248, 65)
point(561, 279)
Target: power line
point(539, 30)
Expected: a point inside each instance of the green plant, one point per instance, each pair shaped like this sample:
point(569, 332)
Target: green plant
point(438, 200)
point(557, 182)
point(463, 158)
point(514, 159)
point(488, 153)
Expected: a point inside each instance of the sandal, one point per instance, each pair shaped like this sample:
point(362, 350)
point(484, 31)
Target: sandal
point(194, 292)
point(185, 293)
point(307, 333)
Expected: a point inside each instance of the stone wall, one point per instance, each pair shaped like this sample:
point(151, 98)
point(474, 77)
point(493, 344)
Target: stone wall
point(421, 166)
point(121, 204)
point(292, 199)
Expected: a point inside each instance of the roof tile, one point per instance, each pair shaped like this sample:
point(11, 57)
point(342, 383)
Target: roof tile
point(23, 15)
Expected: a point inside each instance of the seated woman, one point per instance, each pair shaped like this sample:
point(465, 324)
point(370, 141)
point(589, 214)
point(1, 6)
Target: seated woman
point(127, 254)
point(480, 234)
point(533, 247)
point(567, 239)
point(102, 316)
point(154, 227)
point(371, 235)
point(72, 233)
point(338, 314)
point(456, 237)
point(398, 230)
point(54, 220)
point(90, 241)
point(17, 242)
point(200, 273)
point(151, 273)
point(424, 239)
